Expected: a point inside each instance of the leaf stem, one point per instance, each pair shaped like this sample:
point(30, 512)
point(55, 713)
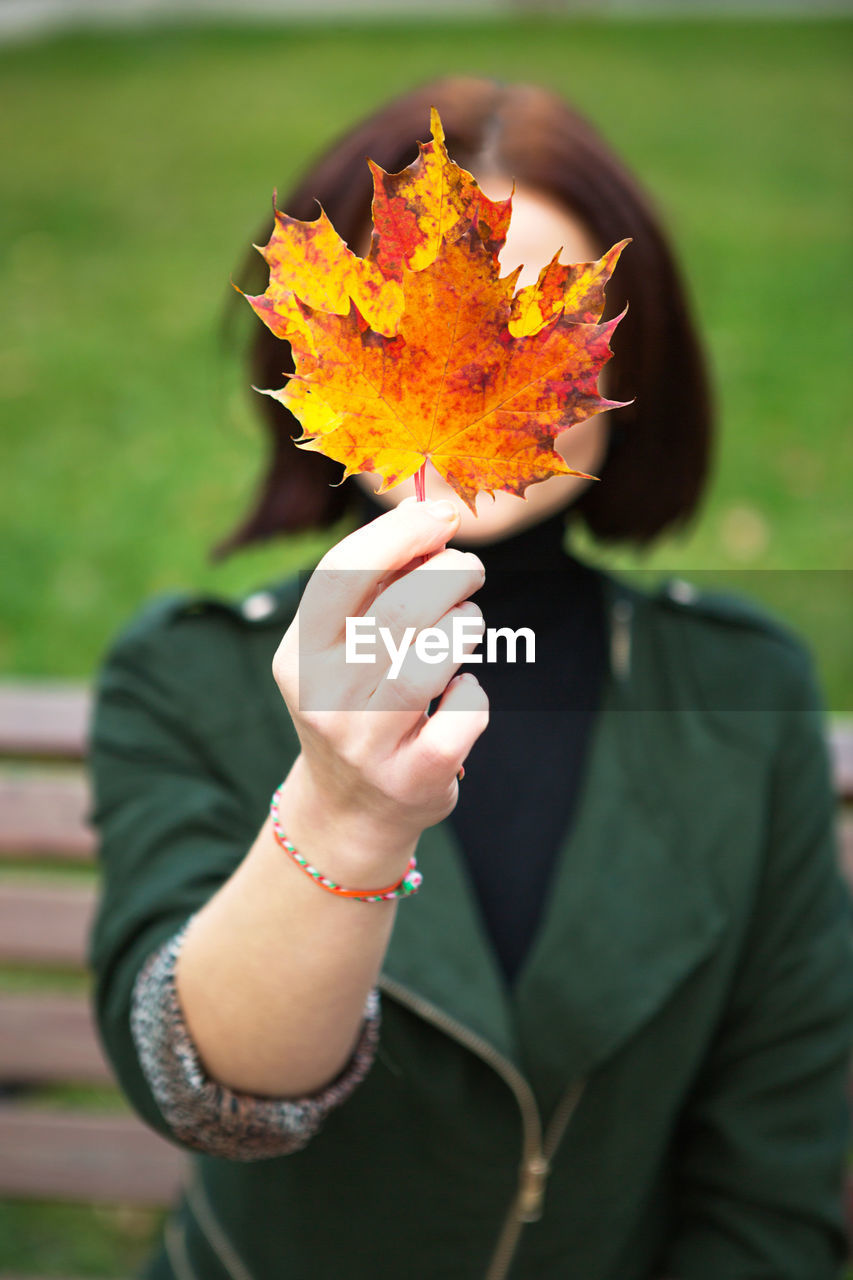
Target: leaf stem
point(420, 491)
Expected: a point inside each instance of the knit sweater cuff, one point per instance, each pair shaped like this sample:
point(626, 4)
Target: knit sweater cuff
point(207, 1116)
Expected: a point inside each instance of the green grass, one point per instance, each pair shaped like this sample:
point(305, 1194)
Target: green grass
point(55, 1240)
point(138, 167)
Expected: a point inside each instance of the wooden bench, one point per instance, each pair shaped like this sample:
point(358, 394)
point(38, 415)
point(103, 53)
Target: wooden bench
point(47, 899)
point(97, 1154)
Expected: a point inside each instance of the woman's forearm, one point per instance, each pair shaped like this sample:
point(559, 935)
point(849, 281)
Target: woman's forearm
point(274, 972)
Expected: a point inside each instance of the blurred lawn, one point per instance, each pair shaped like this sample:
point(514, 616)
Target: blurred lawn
point(137, 167)
point(56, 1239)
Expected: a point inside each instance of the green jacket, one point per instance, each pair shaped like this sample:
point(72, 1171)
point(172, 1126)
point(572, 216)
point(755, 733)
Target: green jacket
point(663, 1091)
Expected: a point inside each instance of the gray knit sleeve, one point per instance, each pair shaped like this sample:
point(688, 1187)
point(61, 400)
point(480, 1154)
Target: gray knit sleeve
point(206, 1115)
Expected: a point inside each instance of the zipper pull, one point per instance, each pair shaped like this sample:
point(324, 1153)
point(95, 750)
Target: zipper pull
point(531, 1193)
point(620, 639)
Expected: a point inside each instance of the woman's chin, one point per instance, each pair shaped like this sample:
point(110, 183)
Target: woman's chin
point(498, 516)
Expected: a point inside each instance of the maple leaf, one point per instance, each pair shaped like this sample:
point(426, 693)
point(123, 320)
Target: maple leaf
point(309, 261)
point(420, 351)
point(432, 201)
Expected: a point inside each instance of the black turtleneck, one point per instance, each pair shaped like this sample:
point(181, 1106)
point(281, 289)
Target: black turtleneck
point(523, 774)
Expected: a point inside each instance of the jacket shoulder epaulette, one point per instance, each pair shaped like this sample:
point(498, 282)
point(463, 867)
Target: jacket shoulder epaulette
point(733, 654)
point(164, 614)
point(726, 609)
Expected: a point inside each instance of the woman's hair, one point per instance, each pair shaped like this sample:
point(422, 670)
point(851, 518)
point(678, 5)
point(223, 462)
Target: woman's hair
point(658, 457)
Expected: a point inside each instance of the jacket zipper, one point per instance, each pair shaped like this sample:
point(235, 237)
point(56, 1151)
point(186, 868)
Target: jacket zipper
point(537, 1152)
point(213, 1233)
point(174, 1238)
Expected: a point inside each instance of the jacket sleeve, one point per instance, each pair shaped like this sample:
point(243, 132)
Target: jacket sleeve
point(172, 828)
point(765, 1135)
point(206, 1115)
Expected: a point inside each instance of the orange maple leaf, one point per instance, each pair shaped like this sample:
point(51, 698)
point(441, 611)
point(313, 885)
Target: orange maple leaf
point(420, 351)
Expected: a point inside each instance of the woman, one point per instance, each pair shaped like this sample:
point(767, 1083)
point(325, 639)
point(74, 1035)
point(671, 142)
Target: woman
point(608, 1038)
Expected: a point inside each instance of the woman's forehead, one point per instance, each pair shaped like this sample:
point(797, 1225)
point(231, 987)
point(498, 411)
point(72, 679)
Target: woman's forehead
point(540, 227)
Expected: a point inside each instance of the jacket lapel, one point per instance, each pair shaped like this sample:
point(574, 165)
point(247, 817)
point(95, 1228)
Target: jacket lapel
point(632, 908)
point(440, 951)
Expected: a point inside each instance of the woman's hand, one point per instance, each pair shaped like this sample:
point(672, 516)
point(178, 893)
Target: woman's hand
point(373, 764)
point(274, 973)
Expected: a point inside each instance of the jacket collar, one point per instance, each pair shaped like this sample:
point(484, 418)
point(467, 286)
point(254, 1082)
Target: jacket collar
point(633, 907)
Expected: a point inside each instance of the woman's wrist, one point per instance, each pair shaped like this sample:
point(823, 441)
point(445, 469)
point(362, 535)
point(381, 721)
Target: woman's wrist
point(347, 841)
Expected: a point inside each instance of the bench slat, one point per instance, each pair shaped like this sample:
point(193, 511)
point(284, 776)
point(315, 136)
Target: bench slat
point(50, 718)
point(80, 1156)
point(44, 718)
point(44, 814)
point(49, 1039)
point(42, 925)
point(841, 753)
point(846, 842)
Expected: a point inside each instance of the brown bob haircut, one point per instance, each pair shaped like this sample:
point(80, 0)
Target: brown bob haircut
point(658, 458)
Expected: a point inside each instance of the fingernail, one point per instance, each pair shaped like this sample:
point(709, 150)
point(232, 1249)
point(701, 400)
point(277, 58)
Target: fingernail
point(443, 510)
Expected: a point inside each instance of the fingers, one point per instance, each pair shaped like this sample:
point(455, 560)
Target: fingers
point(447, 737)
point(428, 592)
point(348, 576)
point(412, 678)
point(392, 576)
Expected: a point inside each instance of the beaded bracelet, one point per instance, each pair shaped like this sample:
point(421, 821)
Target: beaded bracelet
point(408, 883)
